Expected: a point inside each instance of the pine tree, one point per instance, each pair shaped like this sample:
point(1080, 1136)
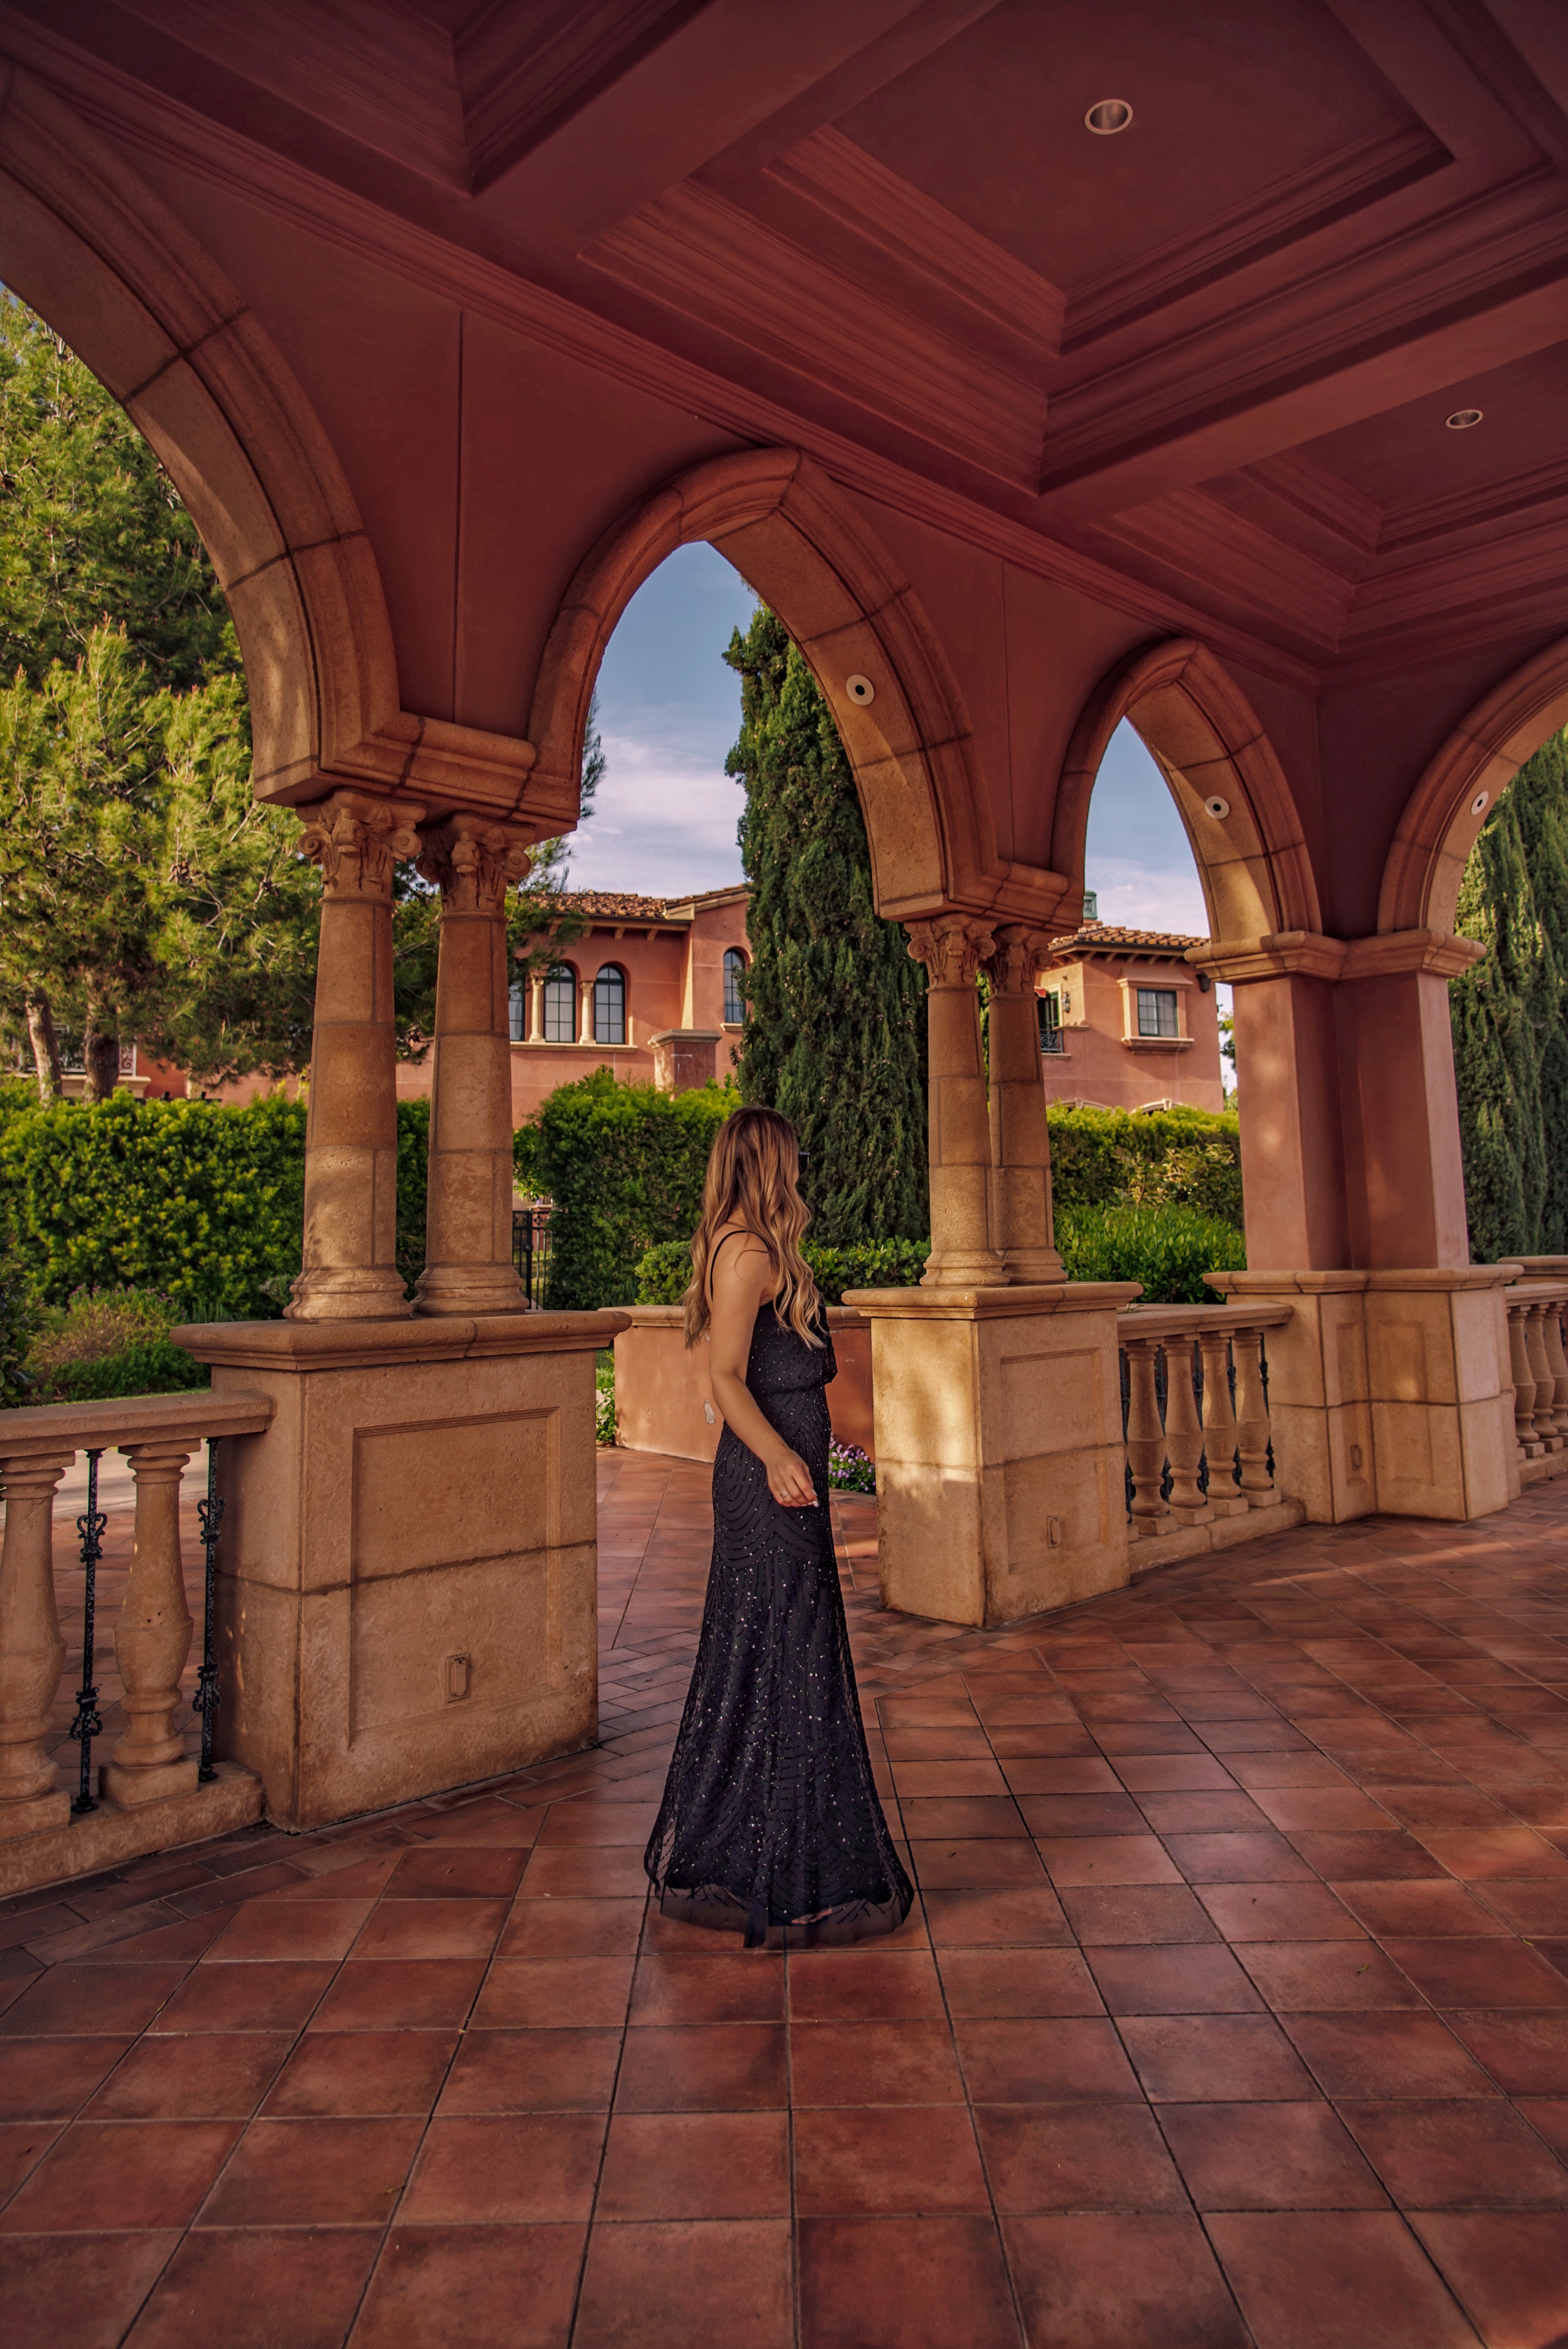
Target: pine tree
point(1510, 1053)
point(835, 1014)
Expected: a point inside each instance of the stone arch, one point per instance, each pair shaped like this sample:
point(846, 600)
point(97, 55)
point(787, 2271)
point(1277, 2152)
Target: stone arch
point(91, 247)
point(1447, 807)
point(778, 518)
point(1209, 744)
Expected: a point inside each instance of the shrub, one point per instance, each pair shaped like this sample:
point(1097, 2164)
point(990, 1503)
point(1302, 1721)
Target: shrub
point(1168, 1249)
point(108, 1342)
point(1096, 1154)
point(604, 1402)
point(662, 1274)
point(1205, 1175)
point(624, 1167)
point(202, 1204)
point(848, 1469)
point(17, 1325)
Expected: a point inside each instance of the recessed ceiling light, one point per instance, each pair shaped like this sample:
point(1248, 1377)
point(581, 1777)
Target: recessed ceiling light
point(1463, 419)
point(1111, 115)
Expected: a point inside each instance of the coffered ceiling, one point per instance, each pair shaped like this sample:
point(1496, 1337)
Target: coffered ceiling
point(1212, 356)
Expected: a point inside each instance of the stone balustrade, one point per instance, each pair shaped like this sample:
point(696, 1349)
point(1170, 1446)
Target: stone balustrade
point(152, 1792)
point(1200, 1452)
point(1539, 1363)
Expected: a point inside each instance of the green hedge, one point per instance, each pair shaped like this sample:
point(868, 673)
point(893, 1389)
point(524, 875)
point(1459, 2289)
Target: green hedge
point(201, 1203)
point(108, 1342)
point(624, 1167)
point(1168, 1249)
point(1097, 1154)
point(662, 1274)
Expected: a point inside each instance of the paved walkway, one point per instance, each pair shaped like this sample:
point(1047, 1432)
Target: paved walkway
point(1236, 2010)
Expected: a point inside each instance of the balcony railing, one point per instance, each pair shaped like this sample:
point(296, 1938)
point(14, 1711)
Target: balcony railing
point(151, 1760)
point(1540, 1366)
point(531, 1250)
point(1195, 1412)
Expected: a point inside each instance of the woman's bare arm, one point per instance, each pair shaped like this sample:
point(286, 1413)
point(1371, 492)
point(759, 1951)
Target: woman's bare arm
point(743, 1283)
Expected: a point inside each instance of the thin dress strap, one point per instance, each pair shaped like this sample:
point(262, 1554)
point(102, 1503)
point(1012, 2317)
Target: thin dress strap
point(742, 1232)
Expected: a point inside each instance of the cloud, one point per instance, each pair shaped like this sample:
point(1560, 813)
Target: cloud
point(664, 821)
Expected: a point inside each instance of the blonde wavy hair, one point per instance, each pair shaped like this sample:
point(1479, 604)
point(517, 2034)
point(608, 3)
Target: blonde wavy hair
point(753, 1171)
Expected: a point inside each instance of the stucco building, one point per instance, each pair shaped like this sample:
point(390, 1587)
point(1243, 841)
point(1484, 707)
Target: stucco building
point(1125, 1021)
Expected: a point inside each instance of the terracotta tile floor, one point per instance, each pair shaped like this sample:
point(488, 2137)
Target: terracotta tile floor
point(1236, 2010)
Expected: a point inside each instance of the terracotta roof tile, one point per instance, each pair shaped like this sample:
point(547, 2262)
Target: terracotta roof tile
point(1106, 934)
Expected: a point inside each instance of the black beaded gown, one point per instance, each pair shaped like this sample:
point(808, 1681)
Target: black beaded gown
point(770, 1818)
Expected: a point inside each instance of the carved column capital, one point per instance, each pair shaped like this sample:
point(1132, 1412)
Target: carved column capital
point(473, 861)
point(1018, 954)
point(357, 841)
point(952, 947)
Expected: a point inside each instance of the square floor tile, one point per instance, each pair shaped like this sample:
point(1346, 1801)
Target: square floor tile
point(539, 1993)
point(208, 2075)
point(1313, 1976)
point(1475, 1853)
point(1067, 2060)
point(120, 2174)
point(1111, 1914)
point(90, 2001)
point(684, 2166)
point(1079, 2157)
point(710, 2067)
point(1509, 2271)
point(290, 1929)
point(1474, 2154)
point(1426, 1909)
point(998, 1983)
point(530, 2168)
point(1264, 1857)
point(1195, 2058)
point(1320, 2279)
point(1280, 1912)
point(887, 2280)
point(430, 1927)
point(1107, 1859)
point(1384, 2055)
point(874, 2063)
point(533, 2071)
point(488, 2287)
point(1493, 1972)
point(1198, 1980)
point(650, 2284)
point(51, 2079)
point(252, 2288)
point(1110, 2282)
point(886, 2161)
point(84, 2289)
point(974, 1918)
point(451, 1871)
point(398, 1994)
point(868, 1983)
point(975, 1864)
point(1268, 2157)
point(315, 2173)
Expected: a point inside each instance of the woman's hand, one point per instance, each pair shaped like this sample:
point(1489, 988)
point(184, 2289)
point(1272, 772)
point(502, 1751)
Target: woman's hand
point(789, 1480)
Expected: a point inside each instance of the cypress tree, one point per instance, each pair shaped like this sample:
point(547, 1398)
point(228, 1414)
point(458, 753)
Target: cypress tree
point(1510, 1053)
point(836, 1011)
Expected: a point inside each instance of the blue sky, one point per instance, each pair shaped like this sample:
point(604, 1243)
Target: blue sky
point(669, 709)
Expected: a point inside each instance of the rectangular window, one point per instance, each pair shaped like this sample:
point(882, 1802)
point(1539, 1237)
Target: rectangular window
point(561, 1006)
point(1156, 1011)
point(1051, 1022)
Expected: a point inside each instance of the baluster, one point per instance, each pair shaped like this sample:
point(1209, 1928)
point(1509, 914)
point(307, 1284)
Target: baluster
point(153, 1638)
point(1183, 1435)
point(1556, 1362)
point(1545, 1414)
point(32, 1653)
point(1524, 1381)
point(1220, 1423)
point(205, 1702)
point(1145, 1437)
point(1252, 1420)
point(92, 1527)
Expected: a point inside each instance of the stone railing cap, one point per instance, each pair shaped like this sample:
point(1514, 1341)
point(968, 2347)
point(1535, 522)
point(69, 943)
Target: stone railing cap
point(991, 1304)
point(37, 1430)
point(434, 1338)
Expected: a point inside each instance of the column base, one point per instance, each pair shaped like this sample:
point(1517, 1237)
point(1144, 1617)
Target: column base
point(999, 1465)
point(1389, 1391)
point(971, 1268)
point(1031, 1267)
point(132, 1783)
point(470, 1288)
point(407, 1583)
point(343, 1294)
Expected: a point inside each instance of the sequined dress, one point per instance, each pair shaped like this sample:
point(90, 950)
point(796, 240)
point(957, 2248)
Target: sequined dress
point(770, 1818)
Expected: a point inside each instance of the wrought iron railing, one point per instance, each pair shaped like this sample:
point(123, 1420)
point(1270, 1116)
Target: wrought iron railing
point(531, 1250)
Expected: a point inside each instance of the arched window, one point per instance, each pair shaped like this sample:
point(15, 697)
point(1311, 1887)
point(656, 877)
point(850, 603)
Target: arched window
point(560, 1004)
point(610, 1006)
point(734, 984)
point(518, 1011)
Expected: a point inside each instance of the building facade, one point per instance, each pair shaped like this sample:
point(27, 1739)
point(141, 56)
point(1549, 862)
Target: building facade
point(651, 990)
point(1126, 1023)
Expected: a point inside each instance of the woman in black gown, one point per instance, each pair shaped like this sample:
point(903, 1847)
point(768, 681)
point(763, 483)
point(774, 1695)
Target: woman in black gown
point(769, 1819)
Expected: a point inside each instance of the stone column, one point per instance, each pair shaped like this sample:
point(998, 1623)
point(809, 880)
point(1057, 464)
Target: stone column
point(586, 1009)
point(1021, 1225)
point(535, 1007)
point(153, 1637)
point(468, 1214)
point(1406, 1185)
point(351, 1141)
point(952, 947)
point(32, 1653)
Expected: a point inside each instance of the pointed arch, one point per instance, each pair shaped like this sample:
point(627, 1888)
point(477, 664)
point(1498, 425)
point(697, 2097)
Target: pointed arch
point(1447, 807)
point(94, 251)
point(814, 562)
point(1209, 744)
